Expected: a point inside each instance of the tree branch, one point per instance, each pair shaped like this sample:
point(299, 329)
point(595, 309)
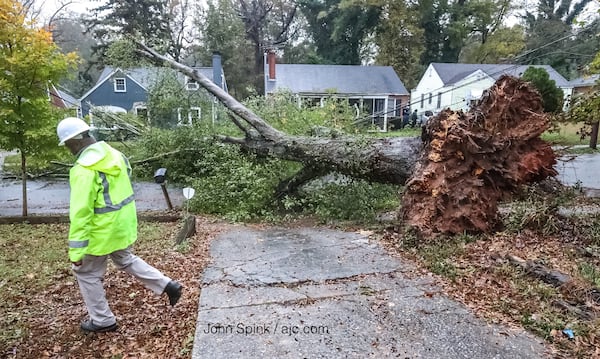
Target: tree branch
point(265, 130)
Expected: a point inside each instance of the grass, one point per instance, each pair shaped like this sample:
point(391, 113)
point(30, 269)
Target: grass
point(405, 132)
point(565, 135)
point(30, 257)
point(31, 254)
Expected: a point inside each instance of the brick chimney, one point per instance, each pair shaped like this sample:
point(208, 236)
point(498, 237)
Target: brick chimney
point(217, 69)
point(271, 60)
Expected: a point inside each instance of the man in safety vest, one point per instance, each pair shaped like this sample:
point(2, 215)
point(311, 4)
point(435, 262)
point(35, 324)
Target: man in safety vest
point(103, 223)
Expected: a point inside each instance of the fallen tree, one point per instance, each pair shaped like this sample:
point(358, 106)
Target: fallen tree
point(455, 174)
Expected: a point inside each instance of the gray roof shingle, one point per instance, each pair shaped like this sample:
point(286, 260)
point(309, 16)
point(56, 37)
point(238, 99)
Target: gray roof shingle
point(147, 76)
point(343, 79)
point(585, 81)
point(451, 73)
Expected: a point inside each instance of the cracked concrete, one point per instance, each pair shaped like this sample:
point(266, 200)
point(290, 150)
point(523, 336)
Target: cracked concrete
point(313, 293)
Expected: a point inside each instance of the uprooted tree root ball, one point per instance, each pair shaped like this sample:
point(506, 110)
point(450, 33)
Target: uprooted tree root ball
point(473, 160)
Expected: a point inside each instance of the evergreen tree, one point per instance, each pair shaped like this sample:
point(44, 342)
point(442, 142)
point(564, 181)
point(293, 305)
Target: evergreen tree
point(552, 96)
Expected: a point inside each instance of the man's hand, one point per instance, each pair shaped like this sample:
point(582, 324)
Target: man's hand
point(77, 264)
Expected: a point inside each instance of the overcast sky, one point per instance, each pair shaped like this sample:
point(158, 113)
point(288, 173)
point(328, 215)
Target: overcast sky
point(46, 8)
point(49, 7)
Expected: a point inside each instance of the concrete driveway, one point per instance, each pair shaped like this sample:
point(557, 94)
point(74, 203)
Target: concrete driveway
point(321, 293)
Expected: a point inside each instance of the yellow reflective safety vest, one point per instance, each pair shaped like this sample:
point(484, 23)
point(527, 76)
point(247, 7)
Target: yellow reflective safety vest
point(102, 209)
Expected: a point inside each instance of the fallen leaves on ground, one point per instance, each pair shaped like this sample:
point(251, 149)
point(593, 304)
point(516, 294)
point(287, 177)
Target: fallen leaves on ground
point(497, 291)
point(148, 326)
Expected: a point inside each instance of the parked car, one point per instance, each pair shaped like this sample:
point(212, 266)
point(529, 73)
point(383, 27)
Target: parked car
point(426, 116)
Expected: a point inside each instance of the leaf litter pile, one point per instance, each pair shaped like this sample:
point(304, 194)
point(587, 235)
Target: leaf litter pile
point(42, 317)
point(542, 274)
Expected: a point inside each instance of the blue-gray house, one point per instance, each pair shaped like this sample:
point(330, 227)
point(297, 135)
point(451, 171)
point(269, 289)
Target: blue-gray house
point(126, 90)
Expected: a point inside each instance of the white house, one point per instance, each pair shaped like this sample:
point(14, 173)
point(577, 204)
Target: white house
point(458, 86)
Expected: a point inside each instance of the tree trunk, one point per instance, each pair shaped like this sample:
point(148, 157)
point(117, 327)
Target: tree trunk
point(454, 175)
point(594, 135)
point(24, 183)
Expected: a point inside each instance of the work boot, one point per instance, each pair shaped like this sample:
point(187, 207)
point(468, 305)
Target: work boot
point(89, 326)
point(173, 290)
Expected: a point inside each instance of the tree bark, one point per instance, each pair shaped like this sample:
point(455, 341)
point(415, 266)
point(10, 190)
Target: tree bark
point(24, 183)
point(594, 135)
point(455, 174)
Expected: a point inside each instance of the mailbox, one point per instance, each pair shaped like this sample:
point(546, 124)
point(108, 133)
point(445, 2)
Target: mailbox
point(160, 176)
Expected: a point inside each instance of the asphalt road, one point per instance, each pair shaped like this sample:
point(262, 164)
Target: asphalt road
point(582, 171)
point(52, 197)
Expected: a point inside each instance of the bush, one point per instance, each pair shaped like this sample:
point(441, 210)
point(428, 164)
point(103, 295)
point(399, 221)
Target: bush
point(236, 185)
point(345, 198)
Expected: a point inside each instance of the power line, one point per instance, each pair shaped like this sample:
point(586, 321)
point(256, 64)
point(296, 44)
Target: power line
point(504, 70)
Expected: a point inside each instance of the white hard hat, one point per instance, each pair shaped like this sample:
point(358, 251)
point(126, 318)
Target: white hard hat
point(69, 128)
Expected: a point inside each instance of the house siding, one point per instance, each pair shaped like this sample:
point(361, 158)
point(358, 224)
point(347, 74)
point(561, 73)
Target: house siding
point(429, 83)
point(379, 86)
point(459, 82)
point(105, 95)
point(465, 89)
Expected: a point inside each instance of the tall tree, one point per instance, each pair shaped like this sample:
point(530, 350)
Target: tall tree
point(431, 11)
point(29, 62)
point(221, 29)
point(501, 46)
point(551, 36)
point(552, 96)
point(68, 33)
point(339, 27)
point(267, 24)
point(449, 24)
point(399, 40)
point(473, 144)
point(161, 23)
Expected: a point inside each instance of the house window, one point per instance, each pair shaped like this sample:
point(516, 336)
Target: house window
point(120, 84)
point(430, 97)
point(141, 112)
point(422, 99)
point(356, 105)
point(439, 100)
point(194, 114)
point(379, 107)
point(191, 84)
point(398, 108)
point(312, 102)
point(368, 106)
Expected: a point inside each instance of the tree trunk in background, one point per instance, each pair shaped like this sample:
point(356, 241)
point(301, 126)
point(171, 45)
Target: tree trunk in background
point(594, 135)
point(457, 172)
point(24, 183)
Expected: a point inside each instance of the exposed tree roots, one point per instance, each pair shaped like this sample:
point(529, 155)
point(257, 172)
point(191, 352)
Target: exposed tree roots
point(472, 160)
